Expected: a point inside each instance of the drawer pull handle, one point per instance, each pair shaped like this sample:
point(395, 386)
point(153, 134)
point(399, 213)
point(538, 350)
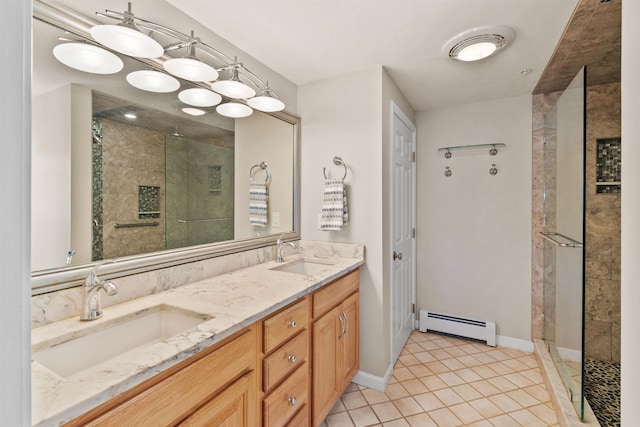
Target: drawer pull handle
point(292, 358)
point(293, 401)
point(342, 331)
point(293, 324)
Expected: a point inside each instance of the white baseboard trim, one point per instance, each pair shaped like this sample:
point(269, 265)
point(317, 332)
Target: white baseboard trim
point(514, 343)
point(570, 354)
point(374, 382)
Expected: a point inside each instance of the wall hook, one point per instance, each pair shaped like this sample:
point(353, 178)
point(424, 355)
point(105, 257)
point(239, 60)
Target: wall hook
point(493, 151)
point(447, 154)
point(493, 170)
point(447, 171)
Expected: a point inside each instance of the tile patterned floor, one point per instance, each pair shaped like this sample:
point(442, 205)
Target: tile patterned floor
point(444, 381)
point(602, 390)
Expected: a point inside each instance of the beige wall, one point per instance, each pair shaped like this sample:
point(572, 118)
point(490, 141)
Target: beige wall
point(630, 213)
point(262, 138)
point(348, 116)
point(473, 228)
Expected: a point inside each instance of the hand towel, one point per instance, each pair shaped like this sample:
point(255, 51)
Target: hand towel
point(258, 203)
point(334, 205)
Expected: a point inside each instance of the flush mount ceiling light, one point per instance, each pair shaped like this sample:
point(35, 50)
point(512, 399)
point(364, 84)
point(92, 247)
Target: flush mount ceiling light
point(199, 97)
point(88, 58)
point(153, 81)
point(478, 43)
point(234, 110)
point(267, 102)
point(126, 38)
point(233, 87)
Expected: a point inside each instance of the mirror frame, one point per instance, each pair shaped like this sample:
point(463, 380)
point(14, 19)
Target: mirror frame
point(55, 279)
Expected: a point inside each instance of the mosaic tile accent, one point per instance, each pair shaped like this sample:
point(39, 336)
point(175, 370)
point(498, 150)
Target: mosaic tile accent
point(602, 390)
point(215, 180)
point(96, 193)
point(608, 165)
point(148, 202)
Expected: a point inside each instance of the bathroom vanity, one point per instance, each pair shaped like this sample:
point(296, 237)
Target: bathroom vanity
point(273, 344)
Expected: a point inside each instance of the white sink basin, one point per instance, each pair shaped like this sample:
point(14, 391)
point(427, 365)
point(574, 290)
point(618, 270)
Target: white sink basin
point(303, 267)
point(120, 335)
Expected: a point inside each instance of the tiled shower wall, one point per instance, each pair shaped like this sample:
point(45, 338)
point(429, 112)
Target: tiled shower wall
point(123, 147)
point(602, 222)
point(602, 316)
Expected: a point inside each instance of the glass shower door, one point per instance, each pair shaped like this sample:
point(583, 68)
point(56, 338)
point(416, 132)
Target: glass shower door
point(564, 233)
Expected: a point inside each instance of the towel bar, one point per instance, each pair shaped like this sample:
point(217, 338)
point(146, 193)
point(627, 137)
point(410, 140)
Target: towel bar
point(338, 162)
point(261, 165)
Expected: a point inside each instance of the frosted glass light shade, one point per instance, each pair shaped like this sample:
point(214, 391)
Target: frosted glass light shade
point(199, 97)
point(127, 40)
point(233, 89)
point(477, 51)
point(153, 81)
point(191, 69)
point(193, 111)
point(234, 110)
point(88, 58)
point(268, 104)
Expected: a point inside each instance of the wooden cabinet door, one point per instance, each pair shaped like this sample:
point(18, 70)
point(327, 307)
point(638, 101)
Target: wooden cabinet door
point(231, 408)
point(326, 378)
point(349, 353)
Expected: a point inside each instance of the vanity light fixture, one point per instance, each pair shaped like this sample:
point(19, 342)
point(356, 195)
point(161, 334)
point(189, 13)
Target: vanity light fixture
point(88, 58)
point(267, 102)
point(126, 38)
point(153, 81)
point(199, 97)
point(233, 87)
point(234, 110)
point(478, 43)
point(190, 67)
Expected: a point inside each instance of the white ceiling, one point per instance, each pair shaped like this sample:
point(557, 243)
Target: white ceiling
point(311, 40)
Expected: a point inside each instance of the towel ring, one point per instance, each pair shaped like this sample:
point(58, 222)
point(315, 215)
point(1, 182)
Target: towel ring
point(263, 166)
point(338, 162)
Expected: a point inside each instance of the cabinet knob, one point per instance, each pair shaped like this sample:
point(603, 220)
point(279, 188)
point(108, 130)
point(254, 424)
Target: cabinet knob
point(293, 324)
point(293, 401)
point(292, 358)
point(397, 256)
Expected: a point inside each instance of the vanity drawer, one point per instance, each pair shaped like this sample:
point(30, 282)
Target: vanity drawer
point(334, 293)
point(285, 324)
point(285, 360)
point(301, 419)
point(287, 399)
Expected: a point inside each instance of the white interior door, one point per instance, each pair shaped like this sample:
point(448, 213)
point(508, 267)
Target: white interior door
point(403, 145)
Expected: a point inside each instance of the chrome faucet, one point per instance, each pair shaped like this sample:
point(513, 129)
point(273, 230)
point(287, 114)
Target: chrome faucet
point(280, 247)
point(91, 307)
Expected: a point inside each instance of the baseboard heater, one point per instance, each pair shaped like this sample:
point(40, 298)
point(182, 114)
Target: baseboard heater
point(458, 326)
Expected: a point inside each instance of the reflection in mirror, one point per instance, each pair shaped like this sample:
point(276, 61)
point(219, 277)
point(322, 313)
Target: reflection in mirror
point(121, 172)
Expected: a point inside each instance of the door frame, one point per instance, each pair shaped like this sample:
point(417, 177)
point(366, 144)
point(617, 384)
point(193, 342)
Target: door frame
point(396, 111)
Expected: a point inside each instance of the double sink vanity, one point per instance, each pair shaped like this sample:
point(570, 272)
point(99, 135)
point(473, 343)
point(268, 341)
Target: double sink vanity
point(270, 344)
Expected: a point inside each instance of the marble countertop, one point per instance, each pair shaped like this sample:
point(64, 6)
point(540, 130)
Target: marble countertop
point(231, 301)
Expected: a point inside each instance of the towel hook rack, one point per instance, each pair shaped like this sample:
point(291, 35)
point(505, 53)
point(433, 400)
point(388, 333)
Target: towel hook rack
point(263, 166)
point(338, 162)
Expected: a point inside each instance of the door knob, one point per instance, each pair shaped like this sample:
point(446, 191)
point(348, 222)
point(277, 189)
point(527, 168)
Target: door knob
point(397, 255)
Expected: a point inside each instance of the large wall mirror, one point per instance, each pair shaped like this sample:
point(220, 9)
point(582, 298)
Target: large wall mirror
point(121, 173)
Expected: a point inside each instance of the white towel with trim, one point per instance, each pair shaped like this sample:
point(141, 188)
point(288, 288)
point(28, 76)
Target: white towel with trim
point(258, 203)
point(335, 214)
